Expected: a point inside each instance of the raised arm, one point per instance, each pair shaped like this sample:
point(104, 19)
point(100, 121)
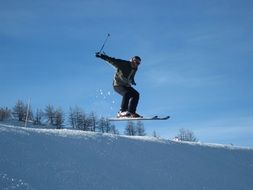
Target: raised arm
point(115, 62)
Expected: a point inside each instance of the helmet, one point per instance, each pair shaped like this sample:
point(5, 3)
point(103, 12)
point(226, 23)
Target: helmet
point(136, 57)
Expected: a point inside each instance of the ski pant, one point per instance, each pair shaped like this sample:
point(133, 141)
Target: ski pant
point(130, 98)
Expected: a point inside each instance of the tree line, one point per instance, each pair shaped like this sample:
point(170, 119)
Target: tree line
point(76, 118)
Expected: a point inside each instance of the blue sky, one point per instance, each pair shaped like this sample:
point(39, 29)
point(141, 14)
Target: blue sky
point(197, 58)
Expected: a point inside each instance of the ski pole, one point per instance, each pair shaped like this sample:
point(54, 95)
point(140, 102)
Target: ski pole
point(104, 42)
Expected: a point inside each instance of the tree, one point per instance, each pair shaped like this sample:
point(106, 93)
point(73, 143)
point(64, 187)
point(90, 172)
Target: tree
point(186, 135)
point(114, 130)
point(105, 126)
point(19, 110)
point(76, 117)
point(59, 118)
point(102, 124)
point(133, 129)
point(79, 120)
point(50, 114)
point(140, 130)
point(130, 129)
point(38, 117)
point(55, 117)
point(93, 122)
point(5, 113)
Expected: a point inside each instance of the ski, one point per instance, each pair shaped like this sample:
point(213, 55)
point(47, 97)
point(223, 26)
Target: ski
point(138, 118)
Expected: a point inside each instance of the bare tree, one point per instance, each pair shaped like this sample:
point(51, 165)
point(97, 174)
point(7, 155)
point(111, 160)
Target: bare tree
point(55, 117)
point(186, 135)
point(93, 122)
point(38, 117)
point(114, 130)
point(130, 129)
point(76, 117)
point(5, 113)
point(19, 110)
point(140, 130)
point(59, 118)
point(50, 114)
point(102, 125)
point(2, 114)
point(108, 126)
point(105, 126)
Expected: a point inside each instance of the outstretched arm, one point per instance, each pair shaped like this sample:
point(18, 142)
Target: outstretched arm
point(102, 56)
point(115, 62)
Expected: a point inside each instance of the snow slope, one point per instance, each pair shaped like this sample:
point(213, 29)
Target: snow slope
point(67, 159)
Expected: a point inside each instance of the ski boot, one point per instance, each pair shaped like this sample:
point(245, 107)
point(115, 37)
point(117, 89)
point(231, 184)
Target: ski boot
point(123, 114)
point(135, 115)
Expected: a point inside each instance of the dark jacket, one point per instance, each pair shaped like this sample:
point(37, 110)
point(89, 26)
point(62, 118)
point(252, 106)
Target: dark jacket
point(125, 73)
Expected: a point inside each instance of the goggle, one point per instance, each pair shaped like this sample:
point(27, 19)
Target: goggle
point(137, 61)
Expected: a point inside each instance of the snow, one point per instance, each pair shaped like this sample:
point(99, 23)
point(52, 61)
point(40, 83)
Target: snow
point(70, 159)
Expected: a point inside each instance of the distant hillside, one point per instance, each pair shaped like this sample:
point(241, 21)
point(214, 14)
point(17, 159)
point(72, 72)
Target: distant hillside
point(71, 160)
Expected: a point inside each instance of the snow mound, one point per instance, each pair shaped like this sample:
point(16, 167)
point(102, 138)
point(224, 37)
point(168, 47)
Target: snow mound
point(69, 159)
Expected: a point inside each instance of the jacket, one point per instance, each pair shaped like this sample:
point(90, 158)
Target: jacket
point(125, 73)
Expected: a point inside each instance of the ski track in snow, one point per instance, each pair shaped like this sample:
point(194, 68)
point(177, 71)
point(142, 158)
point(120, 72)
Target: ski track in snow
point(71, 159)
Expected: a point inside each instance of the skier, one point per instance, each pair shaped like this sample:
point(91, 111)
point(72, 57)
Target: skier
point(123, 79)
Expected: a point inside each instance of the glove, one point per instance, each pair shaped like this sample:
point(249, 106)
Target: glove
point(102, 56)
point(98, 55)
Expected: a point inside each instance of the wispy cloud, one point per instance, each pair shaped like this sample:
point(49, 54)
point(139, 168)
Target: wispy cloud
point(170, 78)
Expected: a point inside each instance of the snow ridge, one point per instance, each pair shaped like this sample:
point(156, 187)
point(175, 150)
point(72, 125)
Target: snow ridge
point(70, 159)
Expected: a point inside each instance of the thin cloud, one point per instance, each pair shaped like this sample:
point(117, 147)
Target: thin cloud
point(166, 77)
